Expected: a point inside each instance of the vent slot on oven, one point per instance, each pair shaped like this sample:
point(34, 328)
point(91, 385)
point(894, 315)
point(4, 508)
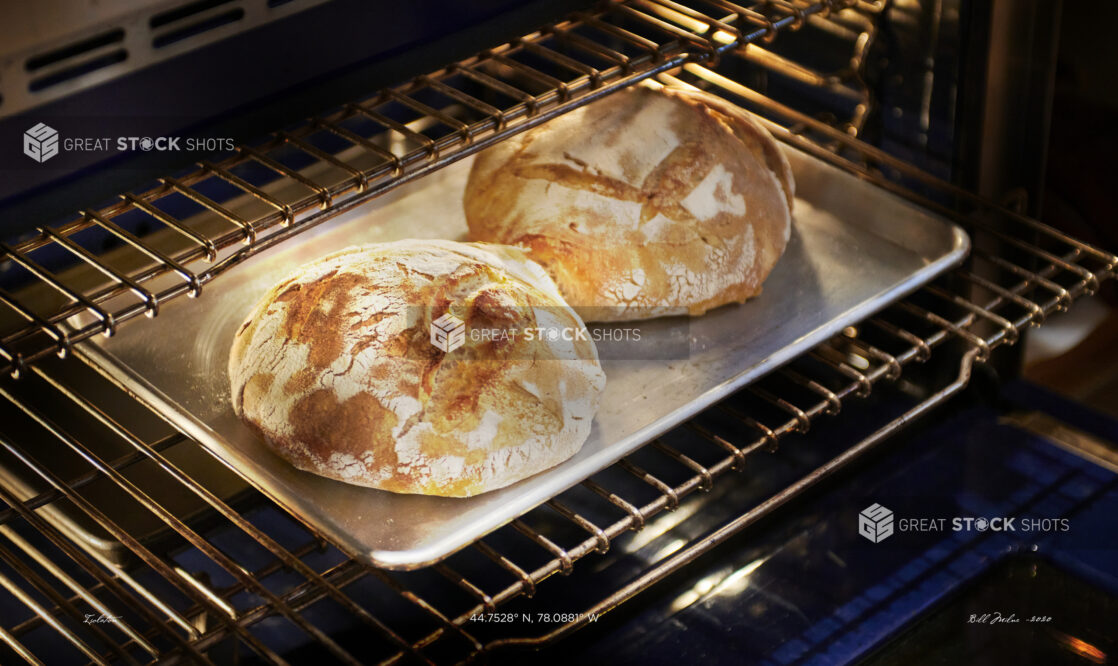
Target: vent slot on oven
point(74, 50)
point(188, 11)
point(76, 60)
point(193, 19)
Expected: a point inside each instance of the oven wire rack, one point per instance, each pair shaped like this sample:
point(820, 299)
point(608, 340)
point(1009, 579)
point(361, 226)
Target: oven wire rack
point(234, 582)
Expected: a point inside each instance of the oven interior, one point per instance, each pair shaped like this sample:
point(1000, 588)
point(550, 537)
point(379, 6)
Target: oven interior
point(736, 525)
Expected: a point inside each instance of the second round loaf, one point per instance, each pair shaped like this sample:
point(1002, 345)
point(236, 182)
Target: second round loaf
point(646, 203)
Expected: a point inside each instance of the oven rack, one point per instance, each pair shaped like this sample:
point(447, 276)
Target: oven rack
point(165, 609)
point(1019, 273)
point(294, 579)
point(114, 263)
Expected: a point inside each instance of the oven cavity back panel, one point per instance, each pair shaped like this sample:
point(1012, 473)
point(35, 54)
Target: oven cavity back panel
point(854, 249)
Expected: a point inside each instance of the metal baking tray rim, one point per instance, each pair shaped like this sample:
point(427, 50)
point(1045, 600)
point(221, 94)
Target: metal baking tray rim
point(451, 534)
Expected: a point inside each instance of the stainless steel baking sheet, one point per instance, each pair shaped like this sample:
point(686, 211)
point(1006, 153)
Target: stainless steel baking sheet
point(854, 249)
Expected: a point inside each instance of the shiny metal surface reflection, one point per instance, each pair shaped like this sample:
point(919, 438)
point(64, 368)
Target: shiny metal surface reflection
point(854, 249)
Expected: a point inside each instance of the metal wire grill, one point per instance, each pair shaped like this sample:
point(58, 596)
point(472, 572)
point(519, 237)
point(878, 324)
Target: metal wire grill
point(207, 588)
point(309, 173)
point(238, 575)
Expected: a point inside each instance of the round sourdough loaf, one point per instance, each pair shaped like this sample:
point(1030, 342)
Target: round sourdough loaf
point(341, 368)
point(648, 202)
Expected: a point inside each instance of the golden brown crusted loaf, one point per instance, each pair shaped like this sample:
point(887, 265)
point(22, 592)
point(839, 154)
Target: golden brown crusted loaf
point(336, 369)
point(645, 203)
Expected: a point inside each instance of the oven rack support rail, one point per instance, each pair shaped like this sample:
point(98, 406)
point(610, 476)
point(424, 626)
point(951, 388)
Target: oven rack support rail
point(343, 158)
point(1021, 273)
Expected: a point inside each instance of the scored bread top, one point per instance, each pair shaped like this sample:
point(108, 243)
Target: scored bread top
point(644, 203)
point(335, 367)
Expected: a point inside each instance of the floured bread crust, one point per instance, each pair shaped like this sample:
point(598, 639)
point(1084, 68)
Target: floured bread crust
point(645, 203)
point(336, 369)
